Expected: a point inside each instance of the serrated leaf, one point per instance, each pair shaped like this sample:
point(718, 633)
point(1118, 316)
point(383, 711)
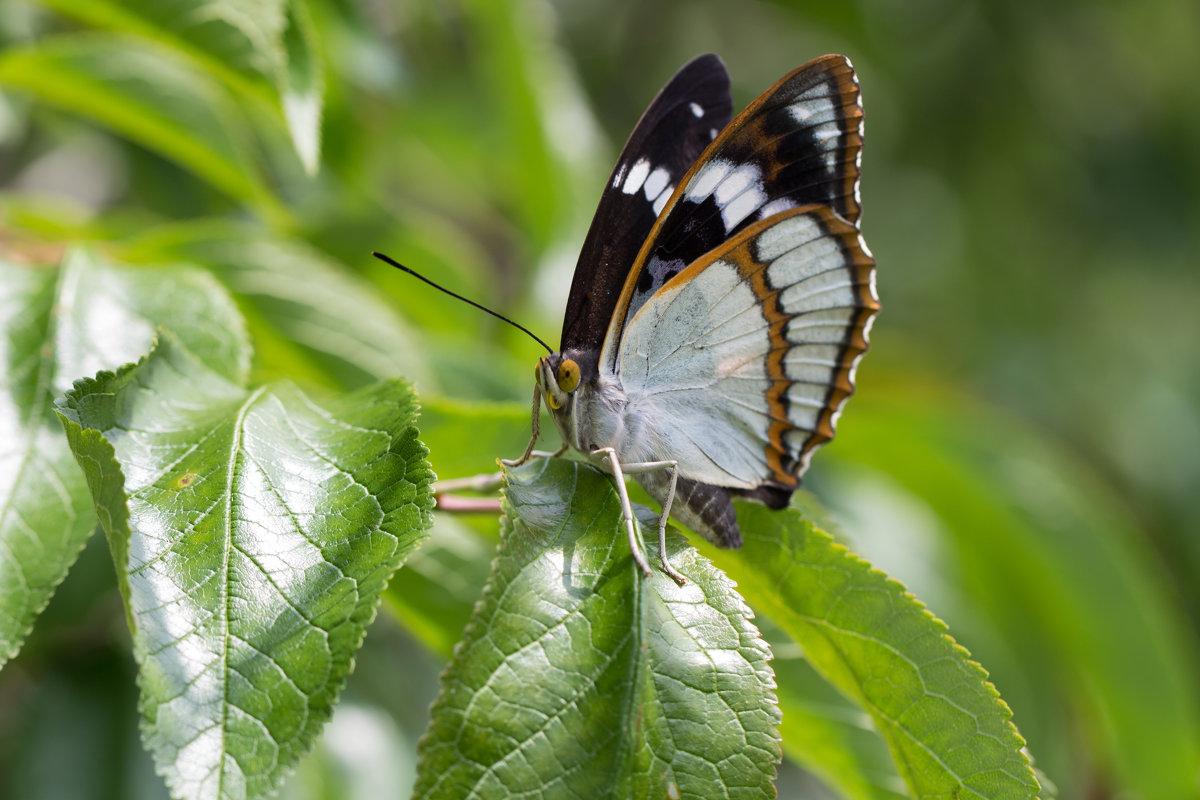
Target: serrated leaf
point(947, 728)
point(578, 677)
point(151, 95)
point(253, 532)
point(60, 324)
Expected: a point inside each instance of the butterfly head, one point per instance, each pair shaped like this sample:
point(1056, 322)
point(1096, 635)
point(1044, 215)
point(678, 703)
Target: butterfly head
point(558, 377)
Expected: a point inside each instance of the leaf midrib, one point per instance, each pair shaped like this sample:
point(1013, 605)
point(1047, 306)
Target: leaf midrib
point(232, 460)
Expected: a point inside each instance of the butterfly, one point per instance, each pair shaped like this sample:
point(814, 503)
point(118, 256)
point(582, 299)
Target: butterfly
point(722, 299)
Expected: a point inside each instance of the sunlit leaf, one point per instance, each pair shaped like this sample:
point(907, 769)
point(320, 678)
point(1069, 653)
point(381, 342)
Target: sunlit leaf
point(577, 676)
point(253, 533)
point(59, 324)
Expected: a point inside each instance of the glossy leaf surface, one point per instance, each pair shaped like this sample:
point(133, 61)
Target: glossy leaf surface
point(576, 676)
point(59, 324)
point(253, 532)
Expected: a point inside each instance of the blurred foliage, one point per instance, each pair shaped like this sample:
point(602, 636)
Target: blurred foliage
point(1025, 449)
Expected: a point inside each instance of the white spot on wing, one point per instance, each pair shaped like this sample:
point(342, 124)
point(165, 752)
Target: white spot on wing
point(697, 111)
point(786, 235)
point(825, 326)
point(736, 182)
point(824, 290)
point(824, 131)
point(620, 175)
point(707, 178)
point(813, 110)
point(774, 207)
point(655, 183)
point(742, 206)
point(802, 415)
point(740, 194)
point(810, 374)
point(661, 201)
point(866, 332)
point(637, 176)
point(863, 244)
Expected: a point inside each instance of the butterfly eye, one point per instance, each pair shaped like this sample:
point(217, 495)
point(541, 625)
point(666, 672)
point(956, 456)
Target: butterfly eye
point(568, 375)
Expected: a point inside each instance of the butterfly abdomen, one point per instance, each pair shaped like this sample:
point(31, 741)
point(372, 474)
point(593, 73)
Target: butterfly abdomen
point(702, 508)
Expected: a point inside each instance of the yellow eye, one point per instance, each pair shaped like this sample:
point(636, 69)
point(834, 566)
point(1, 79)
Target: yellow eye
point(568, 375)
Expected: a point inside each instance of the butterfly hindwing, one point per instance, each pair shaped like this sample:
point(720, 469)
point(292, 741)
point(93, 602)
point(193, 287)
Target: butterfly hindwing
point(744, 360)
point(678, 125)
point(799, 143)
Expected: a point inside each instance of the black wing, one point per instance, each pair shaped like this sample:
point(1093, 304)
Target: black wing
point(799, 143)
point(680, 122)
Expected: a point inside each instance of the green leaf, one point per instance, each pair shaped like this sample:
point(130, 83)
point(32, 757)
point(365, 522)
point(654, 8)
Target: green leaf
point(265, 50)
point(59, 324)
point(947, 728)
point(151, 95)
point(577, 676)
point(253, 533)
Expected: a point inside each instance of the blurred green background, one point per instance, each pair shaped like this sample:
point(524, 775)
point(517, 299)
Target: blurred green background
point(1024, 450)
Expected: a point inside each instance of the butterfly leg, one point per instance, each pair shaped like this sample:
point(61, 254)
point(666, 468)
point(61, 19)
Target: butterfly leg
point(537, 430)
point(610, 455)
point(614, 466)
point(672, 468)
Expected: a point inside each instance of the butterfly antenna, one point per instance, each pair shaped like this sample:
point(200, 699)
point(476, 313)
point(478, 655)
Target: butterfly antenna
point(418, 275)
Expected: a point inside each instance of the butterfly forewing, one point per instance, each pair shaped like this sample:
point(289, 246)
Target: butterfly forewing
point(743, 360)
point(797, 144)
point(679, 124)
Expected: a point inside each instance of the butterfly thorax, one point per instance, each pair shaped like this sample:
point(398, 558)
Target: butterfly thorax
point(588, 408)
